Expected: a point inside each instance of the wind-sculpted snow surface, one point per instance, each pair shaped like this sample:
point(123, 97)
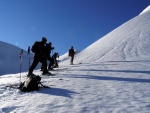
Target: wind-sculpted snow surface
point(130, 41)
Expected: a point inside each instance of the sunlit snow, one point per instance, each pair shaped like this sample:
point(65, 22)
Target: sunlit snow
point(110, 76)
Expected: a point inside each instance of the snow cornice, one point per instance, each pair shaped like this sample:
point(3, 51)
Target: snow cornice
point(145, 10)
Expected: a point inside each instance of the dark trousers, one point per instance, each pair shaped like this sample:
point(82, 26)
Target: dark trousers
point(55, 63)
point(50, 64)
point(72, 58)
point(35, 63)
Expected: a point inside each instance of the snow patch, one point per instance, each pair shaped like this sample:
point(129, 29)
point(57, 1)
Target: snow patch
point(145, 10)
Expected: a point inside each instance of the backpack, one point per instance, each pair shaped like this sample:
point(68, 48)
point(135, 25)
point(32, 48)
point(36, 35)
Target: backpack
point(71, 52)
point(36, 46)
point(30, 84)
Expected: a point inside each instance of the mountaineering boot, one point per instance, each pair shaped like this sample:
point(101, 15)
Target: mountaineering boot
point(46, 73)
point(50, 69)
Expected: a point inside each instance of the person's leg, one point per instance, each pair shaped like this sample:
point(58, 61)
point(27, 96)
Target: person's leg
point(72, 58)
point(34, 64)
point(44, 62)
point(42, 67)
point(56, 63)
point(51, 63)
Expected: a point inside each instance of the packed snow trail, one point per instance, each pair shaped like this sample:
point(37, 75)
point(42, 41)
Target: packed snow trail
point(103, 87)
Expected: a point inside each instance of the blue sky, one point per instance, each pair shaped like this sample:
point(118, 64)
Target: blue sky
point(65, 23)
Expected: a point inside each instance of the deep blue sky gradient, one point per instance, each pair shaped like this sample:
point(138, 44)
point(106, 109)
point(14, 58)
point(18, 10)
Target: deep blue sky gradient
point(65, 23)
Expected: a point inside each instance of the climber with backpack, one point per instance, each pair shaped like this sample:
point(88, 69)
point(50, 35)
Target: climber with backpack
point(48, 48)
point(39, 56)
point(71, 54)
point(54, 62)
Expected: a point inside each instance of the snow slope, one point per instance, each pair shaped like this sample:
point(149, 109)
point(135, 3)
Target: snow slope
point(114, 77)
point(10, 59)
point(130, 41)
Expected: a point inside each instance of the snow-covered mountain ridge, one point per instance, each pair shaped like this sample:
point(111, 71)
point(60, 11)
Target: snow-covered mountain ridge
point(130, 41)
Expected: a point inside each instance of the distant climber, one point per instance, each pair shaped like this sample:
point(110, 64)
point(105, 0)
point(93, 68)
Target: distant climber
point(71, 54)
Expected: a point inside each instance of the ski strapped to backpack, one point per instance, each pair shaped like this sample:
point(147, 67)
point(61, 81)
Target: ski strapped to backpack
point(30, 84)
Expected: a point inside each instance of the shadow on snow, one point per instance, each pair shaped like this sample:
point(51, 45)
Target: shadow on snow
point(124, 71)
point(58, 92)
point(111, 78)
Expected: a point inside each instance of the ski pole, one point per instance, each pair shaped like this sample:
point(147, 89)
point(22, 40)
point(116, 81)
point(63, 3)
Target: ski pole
point(29, 55)
point(21, 62)
point(77, 60)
